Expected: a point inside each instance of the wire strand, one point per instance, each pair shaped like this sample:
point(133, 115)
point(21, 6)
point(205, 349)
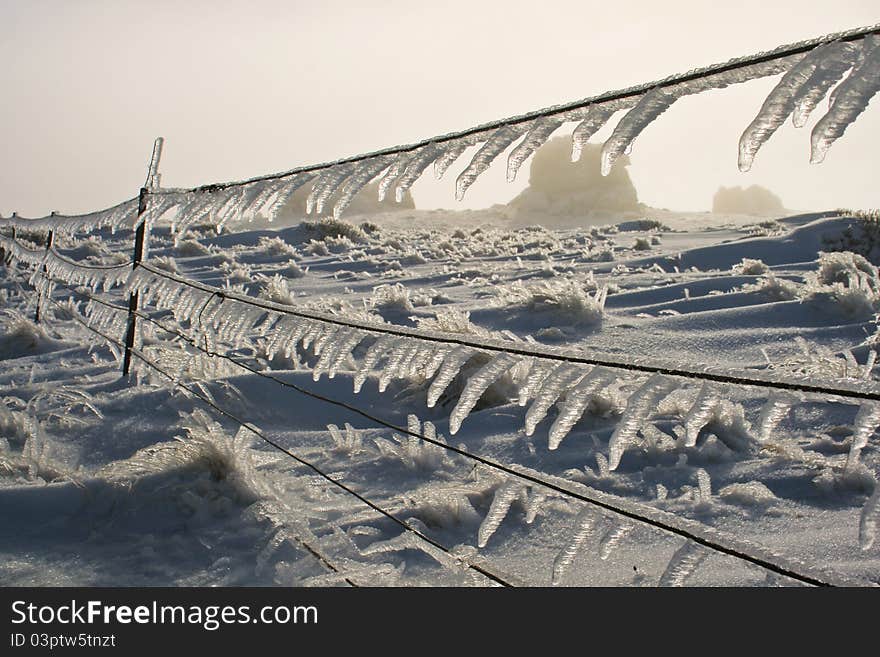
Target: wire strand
point(533, 351)
point(260, 434)
point(668, 527)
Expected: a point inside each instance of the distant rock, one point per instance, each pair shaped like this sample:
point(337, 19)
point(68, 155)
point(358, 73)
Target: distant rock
point(751, 200)
point(561, 191)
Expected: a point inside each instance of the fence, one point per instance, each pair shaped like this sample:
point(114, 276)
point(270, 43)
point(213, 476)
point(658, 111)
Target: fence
point(217, 317)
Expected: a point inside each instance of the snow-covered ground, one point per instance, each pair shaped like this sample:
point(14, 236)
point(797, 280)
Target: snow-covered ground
point(108, 482)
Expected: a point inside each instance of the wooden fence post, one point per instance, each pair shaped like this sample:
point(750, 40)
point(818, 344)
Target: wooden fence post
point(45, 273)
point(140, 252)
point(141, 247)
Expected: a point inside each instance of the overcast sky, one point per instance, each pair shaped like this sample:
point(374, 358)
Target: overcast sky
point(239, 89)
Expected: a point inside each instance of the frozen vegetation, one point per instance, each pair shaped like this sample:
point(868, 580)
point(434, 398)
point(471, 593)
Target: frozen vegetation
point(113, 482)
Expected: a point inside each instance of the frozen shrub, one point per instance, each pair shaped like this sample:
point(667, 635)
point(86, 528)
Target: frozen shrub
point(568, 299)
point(642, 244)
point(751, 267)
point(775, 289)
point(275, 246)
point(275, 289)
point(390, 297)
point(191, 248)
point(315, 247)
point(293, 270)
point(847, 281)
point(165, 263)
point(336, 228)
point(450, 320)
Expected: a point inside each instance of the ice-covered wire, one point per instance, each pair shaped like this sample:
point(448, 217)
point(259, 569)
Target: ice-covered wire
point(645, 365)
point(262, 436)
point(695, 536)
point(780, 52)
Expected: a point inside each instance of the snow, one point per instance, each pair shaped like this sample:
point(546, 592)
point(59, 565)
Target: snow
point(111, 482)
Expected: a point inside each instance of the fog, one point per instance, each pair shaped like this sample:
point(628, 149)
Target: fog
point(242, 89)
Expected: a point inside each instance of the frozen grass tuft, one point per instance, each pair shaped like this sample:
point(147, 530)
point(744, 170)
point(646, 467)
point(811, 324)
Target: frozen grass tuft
point(275, 289)
point(276, 247)
point(191, 248)
point(569, 300)
point(336, 228)
point(750, 267)
point(390, 298)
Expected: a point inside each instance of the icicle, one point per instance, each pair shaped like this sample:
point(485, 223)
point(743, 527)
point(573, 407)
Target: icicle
point(586, 523)
point(649, 107)
point(420, 161)
point(533, 506)
point(286, 190)
point(398, 166)
point(330, 353)
point(476, 386)
point(452, 151)
point(374, 353)
point(869, 519)
point(350, 342)
point(500, 139)
point(575, 403)
point(365, 172)
point(851, 99)
point(538, 372)
point(452, 363)
point(839, 58)
point(554, 385)
point(864, 426)
point(704, 486)
point(683, 564)
point(396, 362)
point(612, 539)
point(781, 101)
point(772, 413)
point(541, 129)
point(638, 407)
point(699, 414)
point(505, 495)
point(597, 116)
point(326, 185)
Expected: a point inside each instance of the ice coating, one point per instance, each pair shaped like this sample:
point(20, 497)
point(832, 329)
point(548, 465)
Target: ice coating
point(699, 413)
point(537, 135)
point(326, 186)
point(774, 410)
point(838, 59)
point(596, 117)
point(398, 166)
point(500, 139)
point(586, 524)
point(576, 401)
point(476, 386)
point(364, 173)
point(552, 387)
point(505, 496)
point(452, 363)
point(779, 104)
point(452, 151)
point(651, 105)
point(420, 161)
point(851, 98)
point(638, 408)
point(683, 564)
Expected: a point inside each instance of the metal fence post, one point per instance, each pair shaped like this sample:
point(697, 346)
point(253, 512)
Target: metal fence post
point(46, 274)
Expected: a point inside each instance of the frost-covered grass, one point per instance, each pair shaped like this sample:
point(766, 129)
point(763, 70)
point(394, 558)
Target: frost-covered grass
point(568, 300)
point(777, 475)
